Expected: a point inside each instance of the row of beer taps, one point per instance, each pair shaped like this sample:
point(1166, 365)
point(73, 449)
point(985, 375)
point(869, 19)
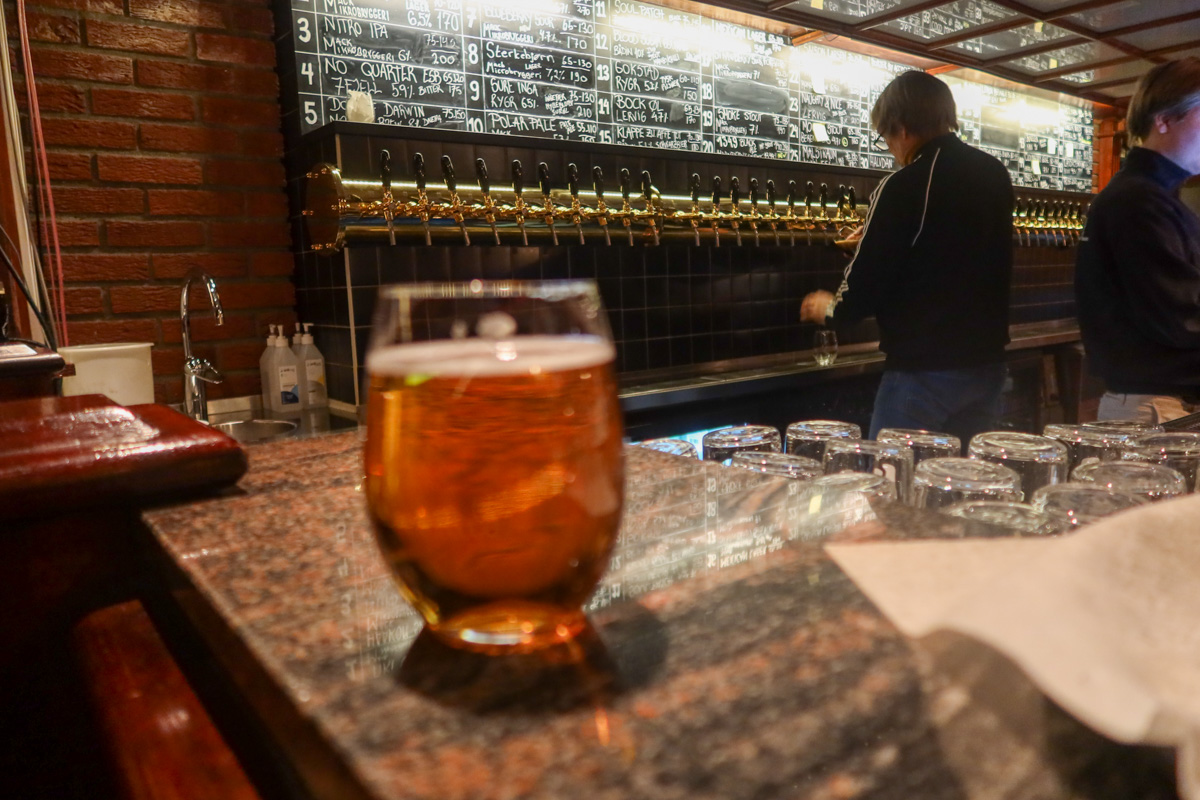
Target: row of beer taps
point(512, 212)
point(1048, 222)
point(342, 211)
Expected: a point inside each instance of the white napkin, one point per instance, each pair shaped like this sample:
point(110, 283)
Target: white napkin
point(1106, 621)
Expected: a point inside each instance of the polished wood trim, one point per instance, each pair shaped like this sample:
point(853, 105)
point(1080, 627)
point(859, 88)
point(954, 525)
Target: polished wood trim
point(162, 742)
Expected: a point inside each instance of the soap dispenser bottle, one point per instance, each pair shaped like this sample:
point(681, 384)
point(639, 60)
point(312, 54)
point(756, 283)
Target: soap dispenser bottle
point(264, 368)
point(312, 365)
point(284, 378)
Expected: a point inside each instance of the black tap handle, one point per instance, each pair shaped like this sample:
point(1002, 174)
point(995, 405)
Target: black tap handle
point(518, 177)
point(771, 195)
point(810, 194)
point(735, 194)
point(573, 179)
point(841, 197)
point(448, 173)
point(385, 170)
point(419, 171)
point(481, 174)
point(598, 182)
point(625, 183)
point(824, 195)
point(647, 185)
point(695, 187)
point(851, 200)
point(791, 195)
point(754, 193)
point(544, 177)
point(716, 184)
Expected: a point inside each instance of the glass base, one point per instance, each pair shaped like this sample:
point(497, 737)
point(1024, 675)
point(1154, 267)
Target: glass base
point(510, 627)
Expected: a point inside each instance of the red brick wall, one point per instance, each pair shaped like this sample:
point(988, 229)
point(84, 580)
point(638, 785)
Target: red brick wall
point(161, 119)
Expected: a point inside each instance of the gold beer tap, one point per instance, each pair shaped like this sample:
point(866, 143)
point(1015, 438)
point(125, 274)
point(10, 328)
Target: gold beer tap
point(626, 212)
point(735, 210)
point(548, 212)
point(422, 208)
point(772, 217)
point(810, 221)
point(387, 202)
point(601, 216)
point(456, 204)
point(693, 216)
point(489, 208)
point(573, 188)
point(1076, 226)
point(1040, 223)
point(647, 195)
point(755, 217)
point(790, 224)
point(823, 218)
point(716, 210)
point(1021, 214)
point(519, 207)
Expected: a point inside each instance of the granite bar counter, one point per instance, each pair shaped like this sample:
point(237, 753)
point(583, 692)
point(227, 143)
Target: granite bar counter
point(728, 657)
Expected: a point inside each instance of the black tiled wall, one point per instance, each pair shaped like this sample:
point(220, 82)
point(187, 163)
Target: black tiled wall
point(675, 305)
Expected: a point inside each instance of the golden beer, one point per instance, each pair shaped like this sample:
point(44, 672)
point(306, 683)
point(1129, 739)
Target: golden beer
point(494, 481)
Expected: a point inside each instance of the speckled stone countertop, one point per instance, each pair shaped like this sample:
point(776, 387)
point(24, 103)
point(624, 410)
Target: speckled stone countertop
point(729, 656)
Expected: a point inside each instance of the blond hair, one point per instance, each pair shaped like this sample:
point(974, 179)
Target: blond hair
point(1169, 90)
point(917, 102)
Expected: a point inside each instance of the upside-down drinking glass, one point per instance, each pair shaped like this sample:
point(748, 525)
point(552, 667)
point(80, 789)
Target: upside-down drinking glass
point(1083, 503)
point(494, 470)
point(1039, 460)
point(779, 464)
point(891, 461)
point(720, 445)
point(942, 482)
point(1151, 481)
point(808, 437)
point(676, 447)
point(924, 444)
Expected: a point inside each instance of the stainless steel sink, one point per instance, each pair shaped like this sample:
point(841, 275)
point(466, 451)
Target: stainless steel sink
point(252, 431)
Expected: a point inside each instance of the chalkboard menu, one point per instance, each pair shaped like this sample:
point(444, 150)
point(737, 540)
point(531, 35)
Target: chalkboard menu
point(609, 71)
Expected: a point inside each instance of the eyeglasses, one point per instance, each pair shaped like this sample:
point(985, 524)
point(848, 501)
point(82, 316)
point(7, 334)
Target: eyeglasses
point(878, 142)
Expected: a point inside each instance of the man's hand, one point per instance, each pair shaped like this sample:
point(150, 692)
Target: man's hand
point(814, 306)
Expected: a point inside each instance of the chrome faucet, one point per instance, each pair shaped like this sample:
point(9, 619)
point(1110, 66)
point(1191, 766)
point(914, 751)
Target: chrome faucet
point(198, 371)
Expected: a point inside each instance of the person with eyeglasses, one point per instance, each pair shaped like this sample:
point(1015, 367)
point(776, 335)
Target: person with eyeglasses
point(933, 265)
point(1137, 269)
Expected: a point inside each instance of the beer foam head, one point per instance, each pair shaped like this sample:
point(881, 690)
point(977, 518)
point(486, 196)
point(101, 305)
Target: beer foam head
point(519, 355)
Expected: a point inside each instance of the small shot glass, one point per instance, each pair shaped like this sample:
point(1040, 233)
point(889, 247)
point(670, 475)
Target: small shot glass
point(891, 461)
point(676, 447)
point(1179, 450)
point(924, 444)
point(780, 464)
point(1040, 461)
point(1151, 481)
point(808, 438)
point(720, 445)
point(1083, 503)
point(944, 482)
point(1021, 519)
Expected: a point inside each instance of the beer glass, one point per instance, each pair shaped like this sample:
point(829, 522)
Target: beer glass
point(943, 482)
point(781, 464)
point(864, 484)
point(1019, 518)
point(1151, 481)
point(825, 347)
point(1039, 460)
point(1179, 450)
point(893, 462)
point(1083, 503)
point(720, 445)
point(808, 438)
point(676, 447)
point(494, 471)
point(924, 444)
point(1084, 442)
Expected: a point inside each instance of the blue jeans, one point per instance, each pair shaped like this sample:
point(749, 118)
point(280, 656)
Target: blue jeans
point(962, 402)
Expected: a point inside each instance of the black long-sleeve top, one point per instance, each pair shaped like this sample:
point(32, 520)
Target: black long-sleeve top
point(935, 260)
point(1137, 280)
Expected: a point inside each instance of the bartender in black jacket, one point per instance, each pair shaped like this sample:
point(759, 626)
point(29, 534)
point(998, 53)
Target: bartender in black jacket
point(933, 265)
point(1137, 275)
